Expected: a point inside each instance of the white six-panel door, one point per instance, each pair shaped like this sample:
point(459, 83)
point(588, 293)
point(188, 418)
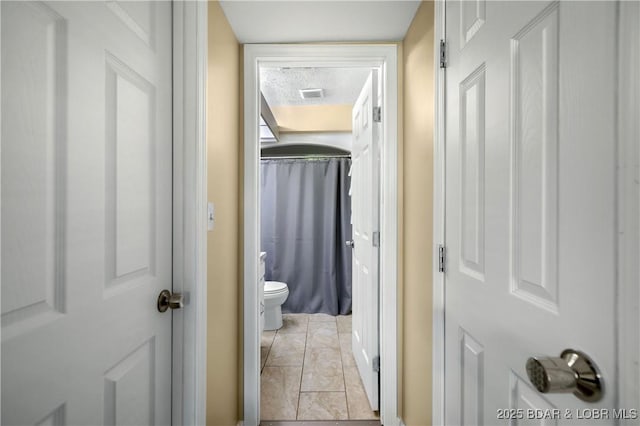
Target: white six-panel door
point(365, 221)
point(86, 212)
point(530, 204)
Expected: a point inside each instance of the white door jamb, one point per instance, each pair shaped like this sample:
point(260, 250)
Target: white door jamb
point(438, 219)
point(364, 55)
point(189, 212)
point(628, 204)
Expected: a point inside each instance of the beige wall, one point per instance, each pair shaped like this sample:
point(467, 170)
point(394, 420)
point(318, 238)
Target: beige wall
point(223, 159)
point(417, 218)
point(313, 118)
point(224, 372)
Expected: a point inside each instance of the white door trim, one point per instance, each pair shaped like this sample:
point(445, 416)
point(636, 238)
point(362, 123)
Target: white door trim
point(0, 209)
point(189, 212)
point(628, 204)
point(628, 201)
point(386, 57)
point(439, 163)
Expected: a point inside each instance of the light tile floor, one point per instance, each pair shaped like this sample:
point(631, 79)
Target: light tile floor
point(308, 371)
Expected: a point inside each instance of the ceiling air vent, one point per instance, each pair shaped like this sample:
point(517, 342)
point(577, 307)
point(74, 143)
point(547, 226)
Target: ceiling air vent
point(311, 93)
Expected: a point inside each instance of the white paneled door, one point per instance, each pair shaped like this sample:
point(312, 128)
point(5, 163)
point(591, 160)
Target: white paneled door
point(365, 224)
point(530, 225)
point(86, 212)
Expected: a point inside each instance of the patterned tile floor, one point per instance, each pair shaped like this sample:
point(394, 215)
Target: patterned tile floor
point(308, 371)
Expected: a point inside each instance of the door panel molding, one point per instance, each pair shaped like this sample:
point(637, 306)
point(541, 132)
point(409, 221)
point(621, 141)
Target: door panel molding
point(35, 286)
point(472, 176)
point(534, 127)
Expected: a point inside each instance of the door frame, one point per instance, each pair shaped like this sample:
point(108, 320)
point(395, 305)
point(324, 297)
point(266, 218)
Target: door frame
point(189, 342)
point(628, 200)
point(439, 215)
point(384, 56)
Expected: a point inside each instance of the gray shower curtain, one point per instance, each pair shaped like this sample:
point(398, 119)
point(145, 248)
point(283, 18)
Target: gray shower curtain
point(305, 221)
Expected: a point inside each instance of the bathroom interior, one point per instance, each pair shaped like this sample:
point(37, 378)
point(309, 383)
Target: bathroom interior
point(308, 371)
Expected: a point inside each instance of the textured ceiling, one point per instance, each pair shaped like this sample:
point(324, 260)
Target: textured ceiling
point(292, 21)
point(341, 85)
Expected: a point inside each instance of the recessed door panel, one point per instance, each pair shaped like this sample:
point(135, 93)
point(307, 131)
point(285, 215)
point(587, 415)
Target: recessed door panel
point(34, 148)
point(131, 173)
point(534, 204)
point(472, 151)
point(129, 388)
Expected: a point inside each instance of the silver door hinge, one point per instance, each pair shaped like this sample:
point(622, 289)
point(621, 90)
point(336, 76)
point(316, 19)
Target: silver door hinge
point(377, 114)
point(376, 364)
point(442, 258)
point(443, 54)
point(376, 239)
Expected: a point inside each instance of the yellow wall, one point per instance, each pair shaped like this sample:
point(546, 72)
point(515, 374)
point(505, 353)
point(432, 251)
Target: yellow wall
point(224, 127)
point(417, 222)
point(313, 118)
point(223, 160)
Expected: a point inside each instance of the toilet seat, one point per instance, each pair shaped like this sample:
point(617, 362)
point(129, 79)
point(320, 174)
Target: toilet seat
point(274, 287)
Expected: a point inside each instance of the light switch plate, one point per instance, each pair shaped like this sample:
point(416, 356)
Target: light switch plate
point(210, 216)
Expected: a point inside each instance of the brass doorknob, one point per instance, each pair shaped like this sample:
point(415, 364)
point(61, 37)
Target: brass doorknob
point(573, 372)
point(167, 300)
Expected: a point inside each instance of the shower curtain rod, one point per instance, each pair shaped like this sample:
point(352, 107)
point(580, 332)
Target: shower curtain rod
point(304, 157)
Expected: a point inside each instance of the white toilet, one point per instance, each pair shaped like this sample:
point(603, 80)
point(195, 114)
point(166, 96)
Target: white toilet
point(275, 294)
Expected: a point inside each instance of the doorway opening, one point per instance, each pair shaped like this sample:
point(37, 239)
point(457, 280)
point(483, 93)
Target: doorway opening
point(384, 59)
point(308, 188)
